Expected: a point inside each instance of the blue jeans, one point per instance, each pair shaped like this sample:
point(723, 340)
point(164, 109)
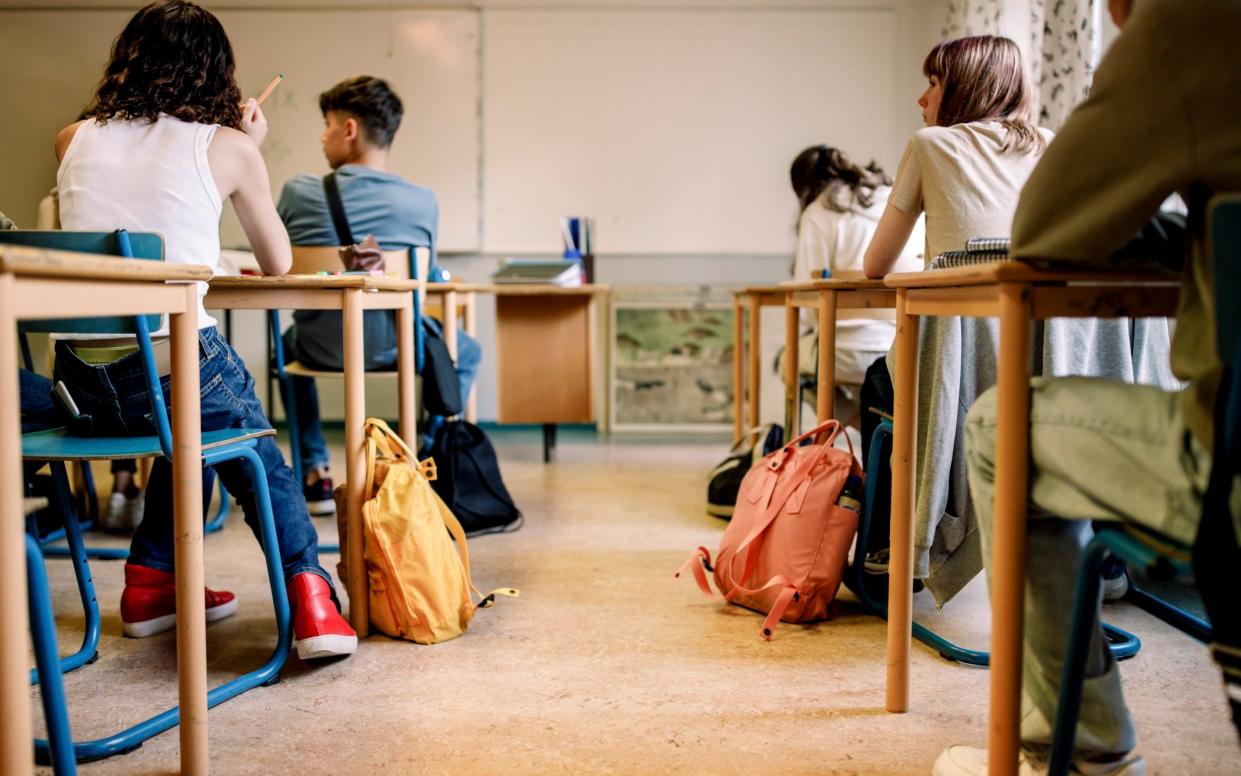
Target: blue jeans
point(313, 450)
point(37, 409)
point(116, 397)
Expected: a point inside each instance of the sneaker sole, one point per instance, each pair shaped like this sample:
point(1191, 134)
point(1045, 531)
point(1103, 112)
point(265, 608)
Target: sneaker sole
point(321, 508)
point(144, 628)
point(326, 646)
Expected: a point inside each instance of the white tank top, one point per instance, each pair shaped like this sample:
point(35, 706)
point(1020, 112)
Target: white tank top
point(146, 178)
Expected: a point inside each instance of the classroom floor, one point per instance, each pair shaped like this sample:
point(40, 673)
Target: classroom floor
point(605, 664)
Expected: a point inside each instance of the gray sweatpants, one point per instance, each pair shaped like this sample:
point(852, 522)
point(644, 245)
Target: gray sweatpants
point(1099, 450)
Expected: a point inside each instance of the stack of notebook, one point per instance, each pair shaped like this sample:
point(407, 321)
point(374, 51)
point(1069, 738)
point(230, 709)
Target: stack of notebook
point(978, 250)
point(567, 274)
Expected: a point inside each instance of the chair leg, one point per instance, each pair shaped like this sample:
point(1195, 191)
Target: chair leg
point(268, 673)
point(43, 635)
point(89, 651)
point(1073, 676)
point(60, 478)
point(1190, 625)
point(216, 523)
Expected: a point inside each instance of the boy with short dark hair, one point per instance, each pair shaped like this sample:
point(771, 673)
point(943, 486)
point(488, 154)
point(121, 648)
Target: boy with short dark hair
point(361, 117)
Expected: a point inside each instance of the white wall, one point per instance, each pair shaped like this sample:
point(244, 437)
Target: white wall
point(866, 103)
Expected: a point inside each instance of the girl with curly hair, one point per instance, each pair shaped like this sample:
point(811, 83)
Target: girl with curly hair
point(166, 139)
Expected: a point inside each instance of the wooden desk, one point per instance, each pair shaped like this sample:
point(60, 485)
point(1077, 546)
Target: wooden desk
point(351, 294)
point(1016, 294)
point(548, 365)
point(458, 300)
point(833, 298)
point(42, 284)
point(749, 300)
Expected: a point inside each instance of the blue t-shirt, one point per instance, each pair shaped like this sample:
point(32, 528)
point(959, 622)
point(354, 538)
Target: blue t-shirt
point(399, 215)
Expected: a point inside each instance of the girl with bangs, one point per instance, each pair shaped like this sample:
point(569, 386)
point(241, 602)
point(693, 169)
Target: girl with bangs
point(965, 170)
point(166, 139)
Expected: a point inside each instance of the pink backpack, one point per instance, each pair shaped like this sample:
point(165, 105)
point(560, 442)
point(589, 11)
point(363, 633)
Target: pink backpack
point(784, 552)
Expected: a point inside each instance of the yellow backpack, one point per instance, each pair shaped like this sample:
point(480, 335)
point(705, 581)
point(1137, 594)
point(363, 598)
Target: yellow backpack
point(419, 584)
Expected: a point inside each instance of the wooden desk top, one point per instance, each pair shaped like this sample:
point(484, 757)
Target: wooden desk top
point(529, 289)
point(258, 282)
point(1015, 271)
point(41, 262)
point(851, 283)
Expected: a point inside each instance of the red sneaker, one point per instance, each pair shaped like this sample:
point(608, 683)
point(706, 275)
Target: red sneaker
point(318, 629)
point(149, 603)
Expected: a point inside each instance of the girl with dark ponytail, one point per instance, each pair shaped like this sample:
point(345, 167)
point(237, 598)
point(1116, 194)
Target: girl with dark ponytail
point(840, 205)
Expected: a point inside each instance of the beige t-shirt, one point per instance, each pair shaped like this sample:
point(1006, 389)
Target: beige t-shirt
point(963, 180)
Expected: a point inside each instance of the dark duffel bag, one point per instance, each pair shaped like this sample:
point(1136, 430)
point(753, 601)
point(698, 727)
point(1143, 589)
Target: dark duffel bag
point(725, 480)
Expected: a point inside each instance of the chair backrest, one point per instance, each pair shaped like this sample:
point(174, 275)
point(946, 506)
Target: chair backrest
point(137, 245)
point(309, 259)
point(142, 246)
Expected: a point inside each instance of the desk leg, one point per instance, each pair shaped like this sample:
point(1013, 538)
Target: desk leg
point(470, 299)
point(16, 754)
point(355, 458)
point(1008, 576)
point(187, 477)
point(405, 373)
point(825, 406)
point(900, 568)
point(738, 367)
point(754, 355)
point(792, 390)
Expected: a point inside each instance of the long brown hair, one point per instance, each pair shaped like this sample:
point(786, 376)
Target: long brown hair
point(820, 169)
point(173, 58)
point(984, 79)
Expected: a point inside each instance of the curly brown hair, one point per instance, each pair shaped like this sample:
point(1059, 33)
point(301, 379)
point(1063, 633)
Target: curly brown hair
point(172, 58)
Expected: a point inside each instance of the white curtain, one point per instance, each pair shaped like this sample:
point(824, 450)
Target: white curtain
point(1065, 48)
point(972, 17)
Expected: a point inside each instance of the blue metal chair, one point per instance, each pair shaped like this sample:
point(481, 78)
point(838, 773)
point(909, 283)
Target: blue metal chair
point(307, 260)
point(58, 445)
point(1162, 555)
point(43, 636)
point(1122, 643)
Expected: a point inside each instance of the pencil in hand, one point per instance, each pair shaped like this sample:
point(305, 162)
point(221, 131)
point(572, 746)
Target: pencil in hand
point(270, 88)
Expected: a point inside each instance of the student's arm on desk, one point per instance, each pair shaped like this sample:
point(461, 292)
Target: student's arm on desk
point(887, 245)
point(1119, 155)
point(239, 172)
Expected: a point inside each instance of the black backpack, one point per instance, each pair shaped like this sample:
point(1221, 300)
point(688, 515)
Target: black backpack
point(724, 482)
point(469, 481)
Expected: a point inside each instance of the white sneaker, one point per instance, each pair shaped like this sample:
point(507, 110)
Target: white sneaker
point(123, 514)
point(1115, 588)
point(971, 761)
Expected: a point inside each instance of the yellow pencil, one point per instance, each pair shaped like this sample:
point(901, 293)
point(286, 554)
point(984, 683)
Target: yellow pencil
point(271, 86)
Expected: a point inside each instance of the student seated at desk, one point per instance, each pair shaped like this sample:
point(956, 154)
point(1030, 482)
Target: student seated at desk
point(841, 203)
point(166, 140)
point(1156, 122)
point(362, 116)
point(965, 170)
point(124, 508)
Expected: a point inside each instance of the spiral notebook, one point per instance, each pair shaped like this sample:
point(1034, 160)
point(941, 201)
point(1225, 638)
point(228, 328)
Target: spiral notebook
point(978, 250)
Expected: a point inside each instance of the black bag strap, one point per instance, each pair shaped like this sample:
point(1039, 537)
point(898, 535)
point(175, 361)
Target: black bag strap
point(334, 204)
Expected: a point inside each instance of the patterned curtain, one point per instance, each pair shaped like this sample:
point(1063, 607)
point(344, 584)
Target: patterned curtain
point(1065, 47)
point(972, 17)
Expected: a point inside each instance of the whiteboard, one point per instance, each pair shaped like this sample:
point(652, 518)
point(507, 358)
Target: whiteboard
point(675, 129)
point(429, 56)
